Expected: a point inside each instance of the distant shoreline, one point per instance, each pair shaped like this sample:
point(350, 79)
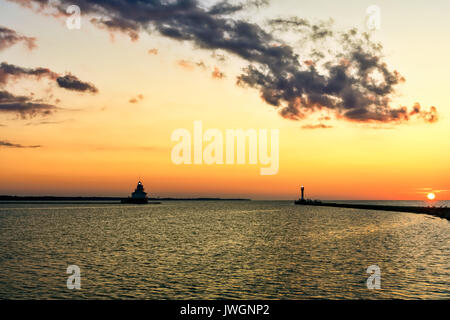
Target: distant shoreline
point(76, 199)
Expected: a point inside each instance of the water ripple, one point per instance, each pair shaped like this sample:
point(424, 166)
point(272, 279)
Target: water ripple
point(220, 250)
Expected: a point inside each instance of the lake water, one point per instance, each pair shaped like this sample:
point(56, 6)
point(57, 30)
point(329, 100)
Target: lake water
point(220, 250)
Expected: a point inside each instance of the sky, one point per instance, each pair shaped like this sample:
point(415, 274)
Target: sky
point(99, 113)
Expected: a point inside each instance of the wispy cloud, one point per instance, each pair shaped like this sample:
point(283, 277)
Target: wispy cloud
point(217, 74)
point(24, 106)
point(428, 189)
point(15, 145)
point(45, 122)
point(316, 126)
point(68, 81)
point(218, 56)
point(137, 99)
point(131, 148)
point(8, 71)
point(186, 64)
point(9, 37)
point(117, 25)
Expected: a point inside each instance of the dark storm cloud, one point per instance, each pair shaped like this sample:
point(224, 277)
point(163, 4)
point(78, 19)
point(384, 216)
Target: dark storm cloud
point(15, 145)
point(353, 81)
point(24, 106)
point(70, 82)
point(10, 37)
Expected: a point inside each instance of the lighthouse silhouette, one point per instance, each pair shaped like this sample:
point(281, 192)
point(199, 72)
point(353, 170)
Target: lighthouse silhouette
point(303, 194)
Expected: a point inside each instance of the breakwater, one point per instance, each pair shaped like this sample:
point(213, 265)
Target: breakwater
point(441, 212)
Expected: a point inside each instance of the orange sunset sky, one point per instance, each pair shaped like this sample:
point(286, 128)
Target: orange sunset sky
point(100, 142)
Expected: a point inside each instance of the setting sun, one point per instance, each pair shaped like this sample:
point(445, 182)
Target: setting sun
point(431, 196)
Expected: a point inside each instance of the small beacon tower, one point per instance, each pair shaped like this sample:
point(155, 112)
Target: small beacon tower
point(303, 194)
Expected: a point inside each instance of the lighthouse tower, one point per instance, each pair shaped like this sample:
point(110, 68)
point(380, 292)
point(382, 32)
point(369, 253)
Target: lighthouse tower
point(139, 192)
point(303, 194)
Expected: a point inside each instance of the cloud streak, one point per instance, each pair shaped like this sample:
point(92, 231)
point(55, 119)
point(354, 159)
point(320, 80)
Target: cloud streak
point(8, 71)
point(47, 122)
point(15, 145)
point(24, 106)
point(186, 64)
point(68, 81)
point(9, 37)
point(352, 82)
point(317, 126)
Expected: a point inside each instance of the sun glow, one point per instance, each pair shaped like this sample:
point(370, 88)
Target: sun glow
point(431, 196)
